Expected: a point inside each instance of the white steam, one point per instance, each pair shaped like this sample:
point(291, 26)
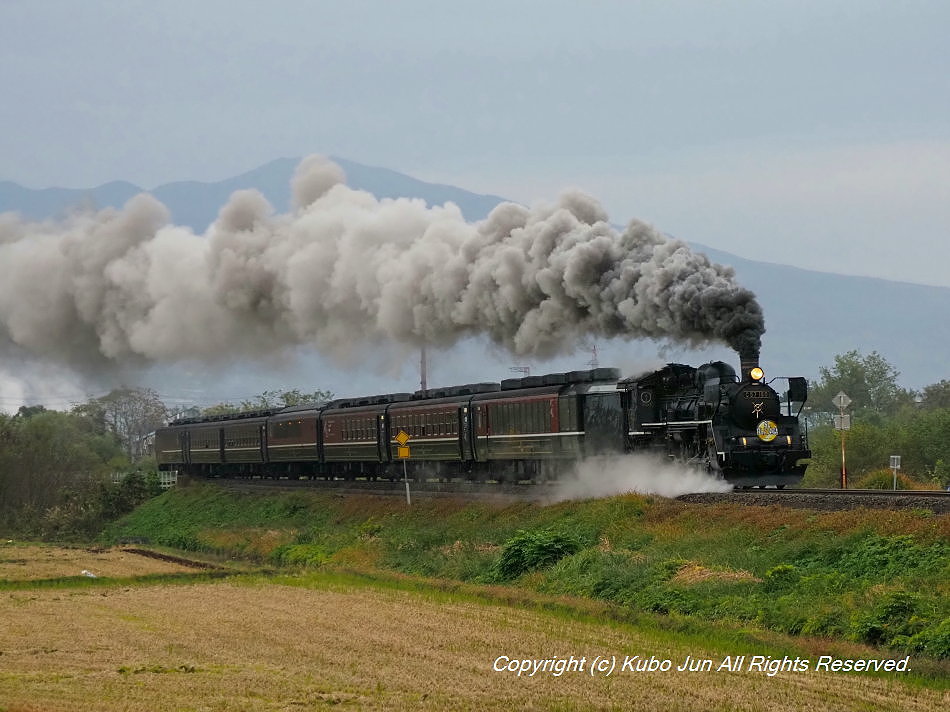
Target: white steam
point(604, 476)
point(347, 272)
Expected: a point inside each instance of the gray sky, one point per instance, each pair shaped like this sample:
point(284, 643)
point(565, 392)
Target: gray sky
point(807, 133)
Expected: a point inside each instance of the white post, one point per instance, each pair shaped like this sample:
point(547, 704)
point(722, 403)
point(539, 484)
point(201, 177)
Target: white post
point(405, 478)
point(895, 466)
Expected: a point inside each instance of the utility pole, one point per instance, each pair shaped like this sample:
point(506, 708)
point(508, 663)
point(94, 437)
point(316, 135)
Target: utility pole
point(593, 363)
point(422, 367)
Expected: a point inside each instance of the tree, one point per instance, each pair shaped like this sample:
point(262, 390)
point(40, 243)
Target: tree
point(867, 450)
point(28, 411)
point(46, 459)
point(129, 413)
point(269, 400)
point(936, 395)
point(870, 381)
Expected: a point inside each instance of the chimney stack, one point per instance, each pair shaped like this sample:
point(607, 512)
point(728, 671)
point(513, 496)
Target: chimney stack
point(747, 361)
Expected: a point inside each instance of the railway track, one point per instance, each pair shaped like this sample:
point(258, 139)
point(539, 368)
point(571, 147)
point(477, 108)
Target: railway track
point(823, 499)
point(830, 499)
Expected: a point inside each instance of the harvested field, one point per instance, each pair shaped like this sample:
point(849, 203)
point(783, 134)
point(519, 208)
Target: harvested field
point(30, 563)
point(253, 644)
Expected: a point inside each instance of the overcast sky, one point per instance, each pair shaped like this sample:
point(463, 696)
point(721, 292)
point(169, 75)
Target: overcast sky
point(807, 133)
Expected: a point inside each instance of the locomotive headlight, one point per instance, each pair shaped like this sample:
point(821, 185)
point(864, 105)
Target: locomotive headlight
point(756, 374)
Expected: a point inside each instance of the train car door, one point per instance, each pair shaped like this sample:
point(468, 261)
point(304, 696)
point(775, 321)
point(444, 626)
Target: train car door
point(465, 432)
point(382, 439)
point(479, 428)
point(184, 442)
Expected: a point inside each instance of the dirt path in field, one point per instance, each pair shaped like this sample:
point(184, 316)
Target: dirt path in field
point(255, 645)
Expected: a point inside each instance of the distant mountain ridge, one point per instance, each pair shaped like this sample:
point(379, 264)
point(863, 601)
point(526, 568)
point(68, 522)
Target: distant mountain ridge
point(811, 316)
point(196, 204)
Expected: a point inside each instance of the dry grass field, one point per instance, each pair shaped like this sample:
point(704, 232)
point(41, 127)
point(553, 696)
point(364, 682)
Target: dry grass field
point(30, 563)
point(254, 643)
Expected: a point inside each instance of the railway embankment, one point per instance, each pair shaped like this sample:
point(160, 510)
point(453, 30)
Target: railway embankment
point(867, 576)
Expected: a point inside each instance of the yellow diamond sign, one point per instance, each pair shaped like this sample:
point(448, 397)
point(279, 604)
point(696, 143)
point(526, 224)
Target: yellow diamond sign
point(402, 437)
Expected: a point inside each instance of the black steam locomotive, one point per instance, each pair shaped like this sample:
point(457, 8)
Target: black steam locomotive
point(534, 428)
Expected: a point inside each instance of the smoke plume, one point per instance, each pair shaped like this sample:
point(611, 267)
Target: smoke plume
point(345, 271)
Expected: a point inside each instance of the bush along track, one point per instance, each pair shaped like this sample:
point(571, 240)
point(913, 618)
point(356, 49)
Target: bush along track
point(866, 576)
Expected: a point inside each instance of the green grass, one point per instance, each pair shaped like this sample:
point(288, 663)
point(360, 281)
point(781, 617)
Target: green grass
point(74, 582)
point(865, 576)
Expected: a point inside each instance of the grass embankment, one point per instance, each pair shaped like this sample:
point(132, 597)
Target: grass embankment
point(880, 578)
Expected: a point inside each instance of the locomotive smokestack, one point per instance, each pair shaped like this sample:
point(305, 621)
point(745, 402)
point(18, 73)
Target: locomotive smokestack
point(747, 361)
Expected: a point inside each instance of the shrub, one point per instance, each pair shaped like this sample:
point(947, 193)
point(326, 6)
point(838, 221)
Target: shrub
point(781, 577)
point(884, 480)
point(892, 620)
point(529, 550)
point(933, 641)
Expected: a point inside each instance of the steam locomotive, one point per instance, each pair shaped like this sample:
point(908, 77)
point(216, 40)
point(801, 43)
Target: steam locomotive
point(534, 428)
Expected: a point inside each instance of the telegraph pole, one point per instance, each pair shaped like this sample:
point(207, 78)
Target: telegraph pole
point(422, 367)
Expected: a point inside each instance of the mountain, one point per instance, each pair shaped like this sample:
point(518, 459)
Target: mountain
point(196, 204)
point(811, 316)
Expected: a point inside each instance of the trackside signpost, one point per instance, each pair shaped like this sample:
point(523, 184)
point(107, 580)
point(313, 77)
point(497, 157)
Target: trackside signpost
point(895, 466)
point(843, 424)
point(402, 453)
